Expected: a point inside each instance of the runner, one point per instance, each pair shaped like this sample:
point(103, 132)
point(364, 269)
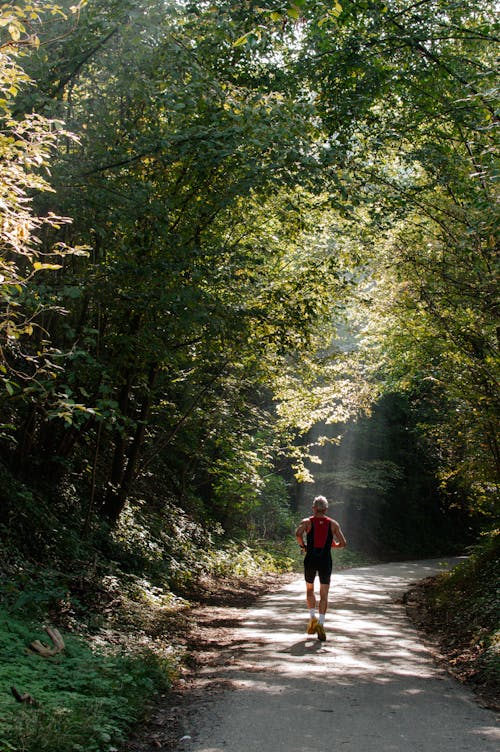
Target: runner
point(322, 534)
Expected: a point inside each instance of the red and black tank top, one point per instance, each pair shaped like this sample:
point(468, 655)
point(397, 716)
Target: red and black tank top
point(319, 537)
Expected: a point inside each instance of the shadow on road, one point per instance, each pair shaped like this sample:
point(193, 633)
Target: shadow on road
point(371, 687)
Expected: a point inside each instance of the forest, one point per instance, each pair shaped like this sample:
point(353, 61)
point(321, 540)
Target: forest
point(248, 255)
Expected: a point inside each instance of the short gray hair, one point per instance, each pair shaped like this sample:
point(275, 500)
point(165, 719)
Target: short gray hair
point(320, 503)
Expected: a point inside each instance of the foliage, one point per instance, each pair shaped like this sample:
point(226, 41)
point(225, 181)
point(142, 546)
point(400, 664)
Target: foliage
point(288, 212)
point(474, 582)
point(83, 693)
point(208, 275)
point(271, 517)
point(28, 248)
point(412, 125)
point(475, 578)
point(236, 214)
point(240, 559)
point(289, 217)
point(175, 552)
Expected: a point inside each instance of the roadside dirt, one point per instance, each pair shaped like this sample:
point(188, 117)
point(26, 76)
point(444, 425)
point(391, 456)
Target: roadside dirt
point(451, 649)
point(208, 636)
point(211, 640)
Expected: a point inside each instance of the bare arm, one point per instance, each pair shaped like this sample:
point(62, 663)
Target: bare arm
point(302, 530)
point(339, 540)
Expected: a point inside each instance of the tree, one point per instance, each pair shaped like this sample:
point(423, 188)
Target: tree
point(27, 146)
point(240, 171)
point(197, 188)
point(421, 139)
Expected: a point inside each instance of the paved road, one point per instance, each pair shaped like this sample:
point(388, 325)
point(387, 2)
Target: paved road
point(371, 687)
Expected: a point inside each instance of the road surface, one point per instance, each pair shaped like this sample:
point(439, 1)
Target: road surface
point(371, 687)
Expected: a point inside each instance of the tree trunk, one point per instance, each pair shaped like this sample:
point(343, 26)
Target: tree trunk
point(134, 450)
point(112, 505)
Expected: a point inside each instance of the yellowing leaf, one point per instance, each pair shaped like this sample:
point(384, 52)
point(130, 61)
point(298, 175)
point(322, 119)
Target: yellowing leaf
point(15, 32)
point(37, 266)
point(242, 40)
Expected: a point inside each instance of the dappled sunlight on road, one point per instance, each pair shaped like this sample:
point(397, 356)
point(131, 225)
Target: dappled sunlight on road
point(367, 633)
point(373, 685)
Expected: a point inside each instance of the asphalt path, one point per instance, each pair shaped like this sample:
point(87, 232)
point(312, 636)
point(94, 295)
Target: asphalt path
point(373, 686)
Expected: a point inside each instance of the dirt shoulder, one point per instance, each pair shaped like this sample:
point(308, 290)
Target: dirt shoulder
point(451, 648)
point(206, 632)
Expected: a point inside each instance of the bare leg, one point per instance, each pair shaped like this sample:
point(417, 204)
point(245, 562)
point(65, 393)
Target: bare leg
point(323, 598)
point(310, 597)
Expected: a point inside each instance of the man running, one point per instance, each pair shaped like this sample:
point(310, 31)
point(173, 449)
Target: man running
point(322, 534)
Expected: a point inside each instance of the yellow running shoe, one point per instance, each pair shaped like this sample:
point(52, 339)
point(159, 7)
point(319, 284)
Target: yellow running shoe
point(311, 627)
point(320, 631)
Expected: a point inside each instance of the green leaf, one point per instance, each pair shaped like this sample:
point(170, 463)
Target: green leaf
point(242, 40)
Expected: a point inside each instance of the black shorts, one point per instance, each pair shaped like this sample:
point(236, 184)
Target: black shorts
point(318, 565)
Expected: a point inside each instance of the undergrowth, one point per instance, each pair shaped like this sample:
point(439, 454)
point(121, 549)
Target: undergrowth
point(118, 616)
point(118, 597)
point(465, 603)
point(84, 698)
